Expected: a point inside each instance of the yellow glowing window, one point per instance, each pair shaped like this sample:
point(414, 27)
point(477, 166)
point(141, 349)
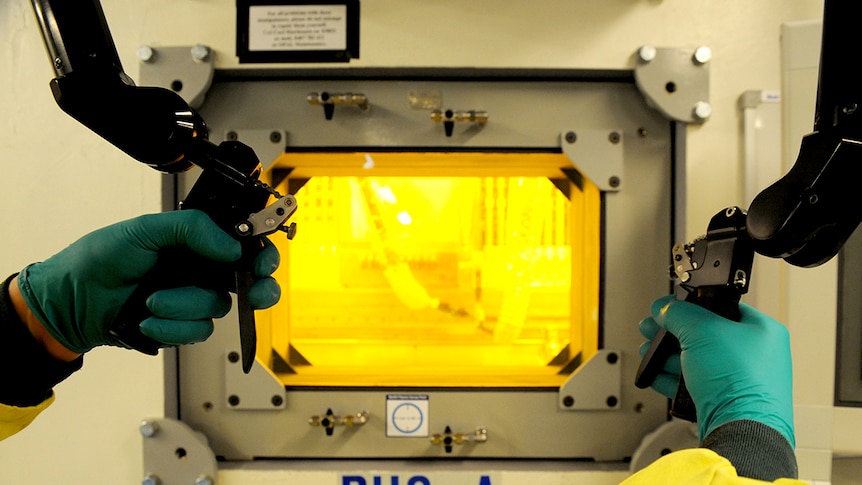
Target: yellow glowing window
point(435, 270)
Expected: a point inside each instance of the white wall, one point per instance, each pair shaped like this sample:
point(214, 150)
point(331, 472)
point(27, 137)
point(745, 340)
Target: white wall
point(60, 181)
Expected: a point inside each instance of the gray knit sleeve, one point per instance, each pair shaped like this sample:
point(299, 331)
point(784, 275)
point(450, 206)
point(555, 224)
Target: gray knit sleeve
point(755, 450)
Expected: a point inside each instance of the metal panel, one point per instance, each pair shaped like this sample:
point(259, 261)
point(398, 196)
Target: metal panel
point(527, 112)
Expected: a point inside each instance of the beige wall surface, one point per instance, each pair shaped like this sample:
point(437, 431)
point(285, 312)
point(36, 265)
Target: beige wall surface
point(60, 181)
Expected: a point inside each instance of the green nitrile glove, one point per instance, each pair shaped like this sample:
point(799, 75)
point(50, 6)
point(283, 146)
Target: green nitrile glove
point(78, 292)
point(733, 370)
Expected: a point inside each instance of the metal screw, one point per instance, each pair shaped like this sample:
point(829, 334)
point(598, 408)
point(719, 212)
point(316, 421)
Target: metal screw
point(613, 358)
point(233, 357)
point(149, 429)
point(647, 53)
point(233, 400)
point(702, 55)
point(614, 181)
point(204, 480)
point(277, 400)
point(275, 137)
point(243, 228)
point(614, 137)
point(58, 64)
point(151, 480)
point(200, 53)
point(568, 401)
point(813, 199)
point(571, 137)
point(612, 401)
point(146, 53)
point(740, 278)
point(702, 110)
point(290, 230)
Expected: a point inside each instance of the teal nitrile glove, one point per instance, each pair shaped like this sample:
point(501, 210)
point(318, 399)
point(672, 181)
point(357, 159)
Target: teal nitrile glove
point(733, 370)
point(78, 292)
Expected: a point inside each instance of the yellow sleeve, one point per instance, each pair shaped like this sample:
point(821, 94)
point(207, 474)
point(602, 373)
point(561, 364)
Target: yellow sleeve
point(13, 419)
point(696, 466)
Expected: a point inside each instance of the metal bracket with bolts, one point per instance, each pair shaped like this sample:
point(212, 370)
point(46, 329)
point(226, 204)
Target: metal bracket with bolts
point(675, 81)
point(595, 386)
point(174, 454)
point(188, 71)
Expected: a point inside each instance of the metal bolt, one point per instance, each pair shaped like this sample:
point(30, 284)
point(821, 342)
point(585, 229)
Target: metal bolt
point(568, 401)
point(149, 429)
point(647, 53)
point(146, 53)
point(233, 400)
point(277, 400)
point(614, 181)
point(702, 55)
point(612, 401)
point(243, 228)
point(233, 357)
point(232, 136)
point(151, 480)
point(204, 480)
point(702, 110)
point(200, 53)
point(740, 279)
point(58, 64)
point(571, 137)
point(614, 137)
point(275, 137)
point(291, 230)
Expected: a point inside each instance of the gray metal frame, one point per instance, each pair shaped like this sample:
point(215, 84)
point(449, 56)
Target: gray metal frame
point(635, 154)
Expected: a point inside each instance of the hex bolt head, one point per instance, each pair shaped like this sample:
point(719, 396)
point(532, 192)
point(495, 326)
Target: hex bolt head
point(702, 110)
point(146, 53)
point(204, 480)
point(702, 55)
point(200, 53)
point(647, 53)
point(151, 480)
point(149, 429)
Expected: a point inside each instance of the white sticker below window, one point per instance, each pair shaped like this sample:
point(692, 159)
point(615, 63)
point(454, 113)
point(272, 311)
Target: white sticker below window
point(297, 27)
point(407, 415)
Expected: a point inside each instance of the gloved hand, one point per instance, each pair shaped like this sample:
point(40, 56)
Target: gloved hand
point(77, 293)
point(733, 370)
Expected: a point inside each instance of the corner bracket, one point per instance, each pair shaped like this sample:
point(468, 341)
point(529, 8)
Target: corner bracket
point(188, 71)
point(597, 154)
point(259, 390)
point(175, 453)
point(675, 81)
point(595, 386)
